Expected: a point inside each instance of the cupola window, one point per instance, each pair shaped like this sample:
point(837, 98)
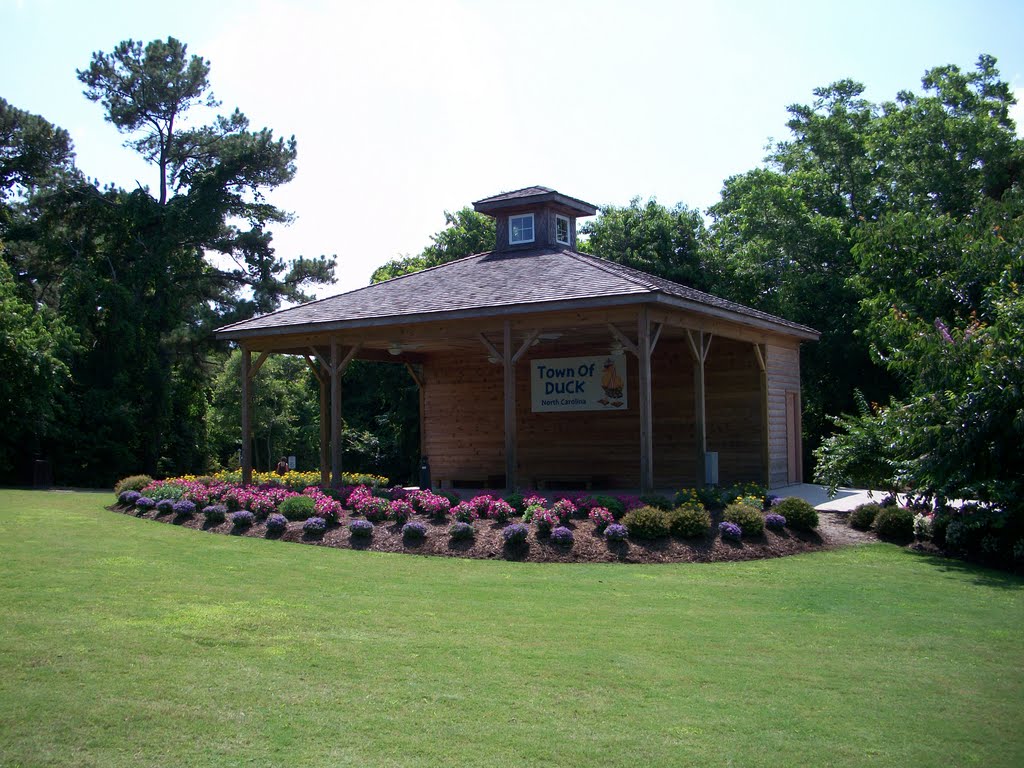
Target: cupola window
point(562, 230)
point(520, 229)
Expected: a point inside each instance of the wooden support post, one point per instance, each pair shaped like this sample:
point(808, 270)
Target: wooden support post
point(418, 378)
point(700, 344)
point(766, 476)
point(335, 376)
point(325, 431)
point(643, 347)
point(510, 408)
point(246, 417)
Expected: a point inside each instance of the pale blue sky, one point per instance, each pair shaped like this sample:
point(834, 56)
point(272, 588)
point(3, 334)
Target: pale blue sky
point(403, 110)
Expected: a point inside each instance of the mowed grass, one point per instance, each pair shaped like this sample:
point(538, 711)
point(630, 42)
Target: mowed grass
point(126, 642)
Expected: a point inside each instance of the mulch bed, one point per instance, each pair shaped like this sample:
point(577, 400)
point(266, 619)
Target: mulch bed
point(588, 547)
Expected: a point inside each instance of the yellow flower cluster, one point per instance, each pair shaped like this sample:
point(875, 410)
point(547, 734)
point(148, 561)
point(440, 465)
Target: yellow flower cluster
point(293, 479)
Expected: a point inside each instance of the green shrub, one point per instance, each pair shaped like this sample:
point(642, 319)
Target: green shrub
point(895, 524)
point(647, 523)
point(657, 501)
point(132, 483)
point(863, 517)
point(800, 515)
point(297, 507)
point(747, 517)
point(690, 521)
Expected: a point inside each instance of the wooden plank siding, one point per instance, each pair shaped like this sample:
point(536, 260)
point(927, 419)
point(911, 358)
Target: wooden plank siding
point(783, 368)
point(463, 430)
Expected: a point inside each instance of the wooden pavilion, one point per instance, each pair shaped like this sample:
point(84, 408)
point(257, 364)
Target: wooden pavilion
point(540, 366)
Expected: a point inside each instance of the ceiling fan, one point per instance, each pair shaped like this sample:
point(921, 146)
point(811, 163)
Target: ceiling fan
point(396, 348)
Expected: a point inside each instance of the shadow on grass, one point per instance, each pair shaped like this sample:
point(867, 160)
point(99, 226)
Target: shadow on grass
point(981, 575)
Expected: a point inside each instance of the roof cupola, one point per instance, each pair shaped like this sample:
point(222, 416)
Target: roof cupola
point(534, 217)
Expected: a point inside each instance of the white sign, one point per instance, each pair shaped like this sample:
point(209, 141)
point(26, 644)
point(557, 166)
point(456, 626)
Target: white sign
point(578, 384)
point(291, 463)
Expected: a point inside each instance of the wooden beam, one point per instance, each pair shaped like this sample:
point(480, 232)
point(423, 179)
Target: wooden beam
point(490, 347)
point(335, 369)
point(319, 357)
point(246, 417)
point(313, 368)
point(646, 420)
point(510, 410)
point(623, 339)
point(348, 358)
point(415, 376)
point(258, 364)
point(759, 354)
point(531, 337)
point(656, 335)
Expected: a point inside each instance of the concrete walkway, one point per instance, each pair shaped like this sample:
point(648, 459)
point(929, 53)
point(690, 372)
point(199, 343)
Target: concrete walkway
point(845, 499)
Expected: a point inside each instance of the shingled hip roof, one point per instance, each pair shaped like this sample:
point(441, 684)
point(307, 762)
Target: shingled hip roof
point(501, 283)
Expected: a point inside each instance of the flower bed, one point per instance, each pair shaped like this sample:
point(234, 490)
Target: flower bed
point(557, 527)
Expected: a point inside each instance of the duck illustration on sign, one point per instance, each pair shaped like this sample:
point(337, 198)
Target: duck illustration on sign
point(611, 383)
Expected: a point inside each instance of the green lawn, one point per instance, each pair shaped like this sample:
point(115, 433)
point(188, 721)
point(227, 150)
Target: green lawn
point(125, 642)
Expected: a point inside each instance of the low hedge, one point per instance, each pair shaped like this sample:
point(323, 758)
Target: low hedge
point(800, 514)
point(863, 517)
point(297, 508)
point(748, 518)
point(690, 521)
point(647, 523)
point(895, 524)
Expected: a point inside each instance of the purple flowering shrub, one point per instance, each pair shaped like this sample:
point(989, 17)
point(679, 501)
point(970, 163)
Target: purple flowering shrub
point(601, 517)
point(562, 535)
point(277, 523)
point(730, 531)
point(515, 534)
point(465, 512)
point(215, 513)
point(143, 504)
point(616, 532)
point(400, 510)
point(461, 531)
point(361, 528)
point(414, 530)
point(128, 498)
point(774, 521)
point(397, 493)
point(165, 506)
point(314, 525)
point(243, 518)
point(184, 508)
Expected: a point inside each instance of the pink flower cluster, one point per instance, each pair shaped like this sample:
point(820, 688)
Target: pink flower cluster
point(563, 510)
point(601, 517)
point(428, 503)
point(326, 507)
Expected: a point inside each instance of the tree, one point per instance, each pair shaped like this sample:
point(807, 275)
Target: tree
point(652, 238)
point(466, 232)
point(32, 151)
point(33, 345)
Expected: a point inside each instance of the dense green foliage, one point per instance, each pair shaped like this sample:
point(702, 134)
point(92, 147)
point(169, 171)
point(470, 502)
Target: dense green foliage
point(253, 652)
point(689, 521)
point(748, 518)
point(799, 513)
point(647, 523)
point(895, 524)
point(132, 274)
point(863, 516)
